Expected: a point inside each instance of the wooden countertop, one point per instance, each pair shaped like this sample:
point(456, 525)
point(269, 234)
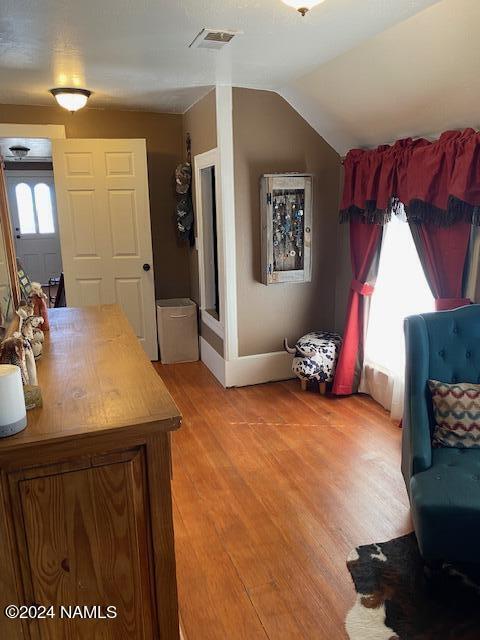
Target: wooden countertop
point(95, 378)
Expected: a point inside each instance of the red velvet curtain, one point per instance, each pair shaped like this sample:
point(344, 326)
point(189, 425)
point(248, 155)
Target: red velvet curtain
point(438, 186)
point(365, 241)
point(443, 253)
point(437, 182)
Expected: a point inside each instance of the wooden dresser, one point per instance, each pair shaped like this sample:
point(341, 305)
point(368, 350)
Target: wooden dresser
point(86, 512)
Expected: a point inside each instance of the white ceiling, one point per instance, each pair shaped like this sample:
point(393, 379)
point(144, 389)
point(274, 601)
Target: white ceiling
point(417, 78)
point(134, 53)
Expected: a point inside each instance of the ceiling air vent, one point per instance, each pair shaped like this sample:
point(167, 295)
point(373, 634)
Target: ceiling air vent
point(213, 39)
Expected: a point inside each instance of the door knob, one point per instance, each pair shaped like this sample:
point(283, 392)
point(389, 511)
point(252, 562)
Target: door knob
point(146, 267)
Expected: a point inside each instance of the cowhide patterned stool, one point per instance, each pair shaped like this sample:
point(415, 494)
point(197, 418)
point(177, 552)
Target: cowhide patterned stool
point(315, 358)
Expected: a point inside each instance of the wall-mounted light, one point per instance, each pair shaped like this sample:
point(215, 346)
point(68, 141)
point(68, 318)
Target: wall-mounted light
point(71, 98)
point(302, 6)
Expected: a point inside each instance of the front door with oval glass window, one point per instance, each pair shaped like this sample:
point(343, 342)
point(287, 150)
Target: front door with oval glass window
point(31, 197)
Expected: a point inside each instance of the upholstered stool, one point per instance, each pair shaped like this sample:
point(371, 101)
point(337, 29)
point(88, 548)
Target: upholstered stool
point(315, 358)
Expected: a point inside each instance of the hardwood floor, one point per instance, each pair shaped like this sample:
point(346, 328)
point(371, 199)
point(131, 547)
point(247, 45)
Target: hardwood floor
point(272, 489)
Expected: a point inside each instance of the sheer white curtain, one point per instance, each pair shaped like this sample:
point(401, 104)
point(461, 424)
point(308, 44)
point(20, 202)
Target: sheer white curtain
point(401, 290)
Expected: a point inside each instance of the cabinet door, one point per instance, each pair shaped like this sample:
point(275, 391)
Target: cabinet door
point(286, 205)
point(88, 543)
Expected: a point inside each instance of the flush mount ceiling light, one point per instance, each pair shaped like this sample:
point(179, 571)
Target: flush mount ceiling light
point(19, 151)
point(302, 6)
point(71, 98)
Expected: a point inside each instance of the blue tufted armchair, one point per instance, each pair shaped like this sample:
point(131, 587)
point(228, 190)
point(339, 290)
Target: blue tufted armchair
point(443, 484)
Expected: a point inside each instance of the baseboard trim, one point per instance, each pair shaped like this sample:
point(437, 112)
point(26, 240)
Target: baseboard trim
point(247, 370)
point(258, 369)
point(213, 360)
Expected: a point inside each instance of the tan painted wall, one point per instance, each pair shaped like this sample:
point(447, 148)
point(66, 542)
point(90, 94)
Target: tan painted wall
point(200, 121)
point(163, 133)
point(270, 136)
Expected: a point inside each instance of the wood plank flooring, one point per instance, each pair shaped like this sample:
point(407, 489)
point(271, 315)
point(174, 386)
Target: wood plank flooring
point(272, 489)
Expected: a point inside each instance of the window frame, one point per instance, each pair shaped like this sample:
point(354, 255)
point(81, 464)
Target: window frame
point(32, 179)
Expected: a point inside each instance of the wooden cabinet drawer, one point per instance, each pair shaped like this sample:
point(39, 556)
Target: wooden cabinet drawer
point(84, 539)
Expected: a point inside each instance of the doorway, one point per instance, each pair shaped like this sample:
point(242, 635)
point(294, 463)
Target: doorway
point(33, 211)
point(101, 196)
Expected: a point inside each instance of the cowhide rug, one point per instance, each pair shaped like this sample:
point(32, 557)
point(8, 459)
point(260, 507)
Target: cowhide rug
point(396, 600)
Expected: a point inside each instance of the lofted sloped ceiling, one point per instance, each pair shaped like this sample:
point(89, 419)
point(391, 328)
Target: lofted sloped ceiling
point(134, 53)
point(361, 72)
point(417, 78)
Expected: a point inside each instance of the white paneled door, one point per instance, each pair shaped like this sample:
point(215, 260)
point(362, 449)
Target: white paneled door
point(104, 218)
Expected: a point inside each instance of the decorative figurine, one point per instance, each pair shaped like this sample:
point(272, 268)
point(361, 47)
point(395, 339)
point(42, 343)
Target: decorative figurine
point(30, 364)
point(22, 344)
point(12, 351)
point(24, 311)
point(39, 298)
point(38, 335)
point(34, 335)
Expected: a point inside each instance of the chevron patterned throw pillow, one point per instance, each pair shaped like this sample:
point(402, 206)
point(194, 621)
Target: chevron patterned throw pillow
point(457, 413)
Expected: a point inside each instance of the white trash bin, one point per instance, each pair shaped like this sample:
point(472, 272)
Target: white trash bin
point(177, 330)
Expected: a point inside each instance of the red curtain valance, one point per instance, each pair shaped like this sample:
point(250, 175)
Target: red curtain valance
point(437, 182)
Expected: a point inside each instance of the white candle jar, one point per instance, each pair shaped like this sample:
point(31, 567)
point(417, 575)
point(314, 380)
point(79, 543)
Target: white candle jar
point(13, 414)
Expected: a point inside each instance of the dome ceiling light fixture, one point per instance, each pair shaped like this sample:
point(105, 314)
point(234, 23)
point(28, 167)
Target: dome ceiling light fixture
point(302, 6)
point(71, 98)
point(19, 151)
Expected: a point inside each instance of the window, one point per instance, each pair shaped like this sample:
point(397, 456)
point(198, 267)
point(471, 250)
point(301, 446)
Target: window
point(401, 290)
point(43, 205)
point(26, 216)
point(35, 211)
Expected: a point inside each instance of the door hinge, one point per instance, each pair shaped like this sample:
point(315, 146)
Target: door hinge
point(269, 198)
